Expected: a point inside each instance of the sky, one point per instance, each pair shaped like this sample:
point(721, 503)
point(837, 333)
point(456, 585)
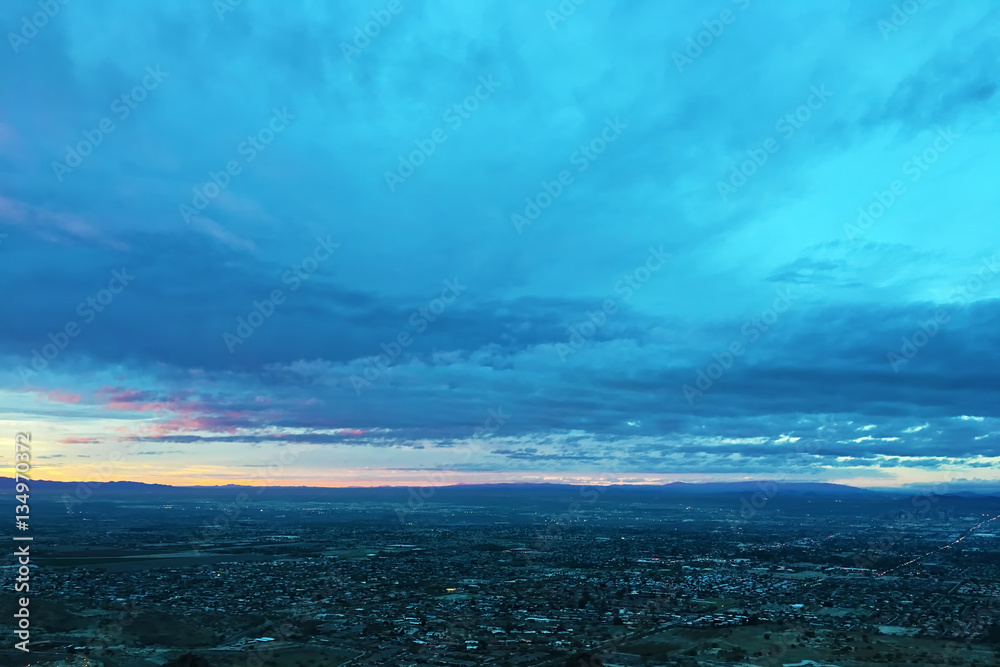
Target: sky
point(369, 243)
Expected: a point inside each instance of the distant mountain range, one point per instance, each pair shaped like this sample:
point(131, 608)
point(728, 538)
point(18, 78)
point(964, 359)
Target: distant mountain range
point(822, 488)
point(461, 492)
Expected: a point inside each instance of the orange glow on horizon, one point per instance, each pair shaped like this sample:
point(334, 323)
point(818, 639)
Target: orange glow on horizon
point(371, 478)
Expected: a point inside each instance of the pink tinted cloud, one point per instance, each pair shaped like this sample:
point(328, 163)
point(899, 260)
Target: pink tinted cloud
point(61, 396)
point(154, 406)
point(182, 413)
point(136, 400)
point(185, 424)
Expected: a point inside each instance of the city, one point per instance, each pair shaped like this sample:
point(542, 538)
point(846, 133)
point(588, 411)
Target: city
point(507, 576)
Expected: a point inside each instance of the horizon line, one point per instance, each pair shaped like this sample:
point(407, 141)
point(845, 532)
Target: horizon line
point(456, 484)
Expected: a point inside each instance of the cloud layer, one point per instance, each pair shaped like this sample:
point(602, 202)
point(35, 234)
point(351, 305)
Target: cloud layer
point(665, 242)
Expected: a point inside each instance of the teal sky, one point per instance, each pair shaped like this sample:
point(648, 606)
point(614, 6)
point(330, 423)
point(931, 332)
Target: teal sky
point(637, 241)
